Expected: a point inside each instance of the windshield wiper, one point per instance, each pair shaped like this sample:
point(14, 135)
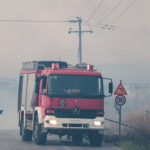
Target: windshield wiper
point(56, 92)
point(81, 93)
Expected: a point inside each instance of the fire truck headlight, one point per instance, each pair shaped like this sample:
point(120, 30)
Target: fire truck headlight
point(97, 123)
point(54, 122)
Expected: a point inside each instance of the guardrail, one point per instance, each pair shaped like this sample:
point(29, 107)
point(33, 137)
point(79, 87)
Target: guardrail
point(146, 135)
point(121, 124)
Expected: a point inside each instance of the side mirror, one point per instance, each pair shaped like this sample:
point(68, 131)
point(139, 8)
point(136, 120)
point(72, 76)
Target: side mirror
point(37, 83)
point(111, 87)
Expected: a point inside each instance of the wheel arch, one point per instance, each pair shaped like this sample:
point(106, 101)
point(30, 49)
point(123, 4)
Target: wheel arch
point(38, 112)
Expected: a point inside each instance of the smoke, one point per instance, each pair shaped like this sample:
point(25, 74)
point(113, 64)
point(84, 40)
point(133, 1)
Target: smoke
point(8, 103)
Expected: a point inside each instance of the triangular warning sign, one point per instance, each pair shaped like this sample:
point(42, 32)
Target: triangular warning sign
point(120, 90)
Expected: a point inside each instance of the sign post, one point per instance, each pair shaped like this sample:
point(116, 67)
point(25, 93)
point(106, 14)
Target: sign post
point(119, 121)
point(120, 100)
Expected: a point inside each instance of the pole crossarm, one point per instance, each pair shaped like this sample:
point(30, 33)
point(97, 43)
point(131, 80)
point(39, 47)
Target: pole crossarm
point(73, 21)
point(79, 31)
point(88, 31)
point(73, 32)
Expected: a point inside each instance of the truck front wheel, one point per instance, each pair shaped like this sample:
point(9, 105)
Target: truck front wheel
point(95, 138)
point(39, 138)
point(77, 138)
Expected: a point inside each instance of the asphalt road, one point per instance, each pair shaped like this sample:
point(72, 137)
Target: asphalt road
point(11, 140)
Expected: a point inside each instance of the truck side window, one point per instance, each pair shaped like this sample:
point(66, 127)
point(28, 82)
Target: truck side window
point(30, 91)
point(99, 86)
point(44, 86)
point(24, 89)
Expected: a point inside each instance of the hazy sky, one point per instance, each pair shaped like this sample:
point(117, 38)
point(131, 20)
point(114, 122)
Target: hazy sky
point(21, 42)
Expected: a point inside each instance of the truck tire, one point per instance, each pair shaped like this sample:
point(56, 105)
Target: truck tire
point(39, 138)
point(95, 139)
point(20, 130)
point(26, 134)
point(77, 138)
point(20, 124)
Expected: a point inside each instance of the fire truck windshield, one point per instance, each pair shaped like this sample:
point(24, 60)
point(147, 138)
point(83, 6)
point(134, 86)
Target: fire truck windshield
point(75, 86)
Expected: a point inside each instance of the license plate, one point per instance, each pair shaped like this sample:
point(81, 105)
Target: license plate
point(75, 121)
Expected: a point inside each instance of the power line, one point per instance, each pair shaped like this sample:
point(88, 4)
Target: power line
point(73, 25)
point(29, 21)
point(93, 12)
point(123, 12)
point(71, 17)
point(71, 22)
point(108, 14)
point(130, 29)
point(103, 28)
point(119, 15)
point(116, 27)
point(133, 32)
point(121, 31)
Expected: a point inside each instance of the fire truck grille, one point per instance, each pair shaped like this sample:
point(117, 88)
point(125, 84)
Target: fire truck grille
point(67, 113)
point(75, 125)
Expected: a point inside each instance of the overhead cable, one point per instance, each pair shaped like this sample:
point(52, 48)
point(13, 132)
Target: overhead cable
point(117, 27)
point(123, 12)
point(93, 12)
point(71, 22)
point(29, 21)
point(119, 15)
point(108, 14)
point(106, 28)
point(130, 29)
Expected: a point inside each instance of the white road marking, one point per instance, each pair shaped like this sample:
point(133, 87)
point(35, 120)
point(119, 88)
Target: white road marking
point(74, 147)
point(66, 147)
point(52, 148)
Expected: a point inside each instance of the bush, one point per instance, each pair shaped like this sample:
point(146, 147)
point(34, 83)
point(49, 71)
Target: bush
point(111, 138)
point(129, 146)
point(141, 136)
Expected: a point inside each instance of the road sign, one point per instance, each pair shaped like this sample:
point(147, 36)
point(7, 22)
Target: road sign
point(120, 100)
point(120, 90)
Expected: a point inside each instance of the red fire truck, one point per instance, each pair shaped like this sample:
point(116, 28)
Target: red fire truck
point(57, 99)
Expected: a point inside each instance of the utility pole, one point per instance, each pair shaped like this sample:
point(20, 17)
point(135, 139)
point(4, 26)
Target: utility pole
point(80, 35)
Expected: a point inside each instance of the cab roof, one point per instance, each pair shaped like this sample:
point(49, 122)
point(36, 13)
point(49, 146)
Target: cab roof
point(45, 68)
point(71, 72)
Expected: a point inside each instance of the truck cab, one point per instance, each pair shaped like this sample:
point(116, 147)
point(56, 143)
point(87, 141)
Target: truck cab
point(59, 99)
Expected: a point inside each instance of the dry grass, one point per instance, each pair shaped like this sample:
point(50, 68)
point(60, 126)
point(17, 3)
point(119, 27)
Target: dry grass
point(138, 120)
point(139, 137)
point(142, 136)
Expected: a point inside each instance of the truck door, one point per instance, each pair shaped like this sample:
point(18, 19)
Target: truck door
point(43, 92)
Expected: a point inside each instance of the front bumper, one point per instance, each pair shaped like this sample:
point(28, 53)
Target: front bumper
point(73, 123)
